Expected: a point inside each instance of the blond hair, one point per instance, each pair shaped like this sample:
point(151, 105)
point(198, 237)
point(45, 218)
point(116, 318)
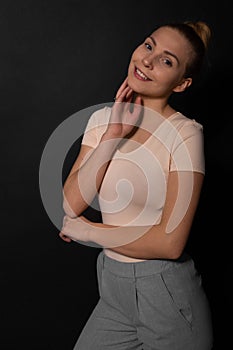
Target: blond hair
point(203, 31)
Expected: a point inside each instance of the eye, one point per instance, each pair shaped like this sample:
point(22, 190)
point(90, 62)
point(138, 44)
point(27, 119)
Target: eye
point(167, 62)
point(148, 46)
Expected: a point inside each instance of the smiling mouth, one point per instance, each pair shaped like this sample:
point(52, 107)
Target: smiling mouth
point(140, 75)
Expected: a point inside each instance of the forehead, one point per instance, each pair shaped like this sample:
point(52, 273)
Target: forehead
point(171, 39)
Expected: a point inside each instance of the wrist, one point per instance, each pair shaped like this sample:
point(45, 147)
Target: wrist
point(114, 138)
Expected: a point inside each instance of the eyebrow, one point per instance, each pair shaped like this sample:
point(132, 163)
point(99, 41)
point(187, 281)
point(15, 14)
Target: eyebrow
point(166, 51)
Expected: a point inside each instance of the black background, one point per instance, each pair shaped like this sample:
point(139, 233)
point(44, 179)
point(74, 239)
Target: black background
point(58, 57)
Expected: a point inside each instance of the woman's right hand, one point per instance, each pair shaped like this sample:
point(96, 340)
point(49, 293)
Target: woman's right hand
point(125, 114)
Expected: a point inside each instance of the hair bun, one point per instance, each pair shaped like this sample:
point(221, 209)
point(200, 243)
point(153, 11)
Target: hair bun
point(203, 31)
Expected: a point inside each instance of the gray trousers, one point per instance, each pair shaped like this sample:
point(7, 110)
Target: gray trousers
point(148, 305)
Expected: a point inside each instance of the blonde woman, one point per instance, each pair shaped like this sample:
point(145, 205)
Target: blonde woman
point(146, 162)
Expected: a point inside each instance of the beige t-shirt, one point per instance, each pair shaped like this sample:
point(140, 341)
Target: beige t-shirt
point(133, 190)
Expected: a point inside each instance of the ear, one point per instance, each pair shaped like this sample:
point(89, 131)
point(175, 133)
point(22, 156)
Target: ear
point(183, 85)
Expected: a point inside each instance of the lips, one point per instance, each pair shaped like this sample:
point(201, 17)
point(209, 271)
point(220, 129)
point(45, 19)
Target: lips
point(140, 75)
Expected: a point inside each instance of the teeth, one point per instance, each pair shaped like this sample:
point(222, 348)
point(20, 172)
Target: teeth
point(141, 74)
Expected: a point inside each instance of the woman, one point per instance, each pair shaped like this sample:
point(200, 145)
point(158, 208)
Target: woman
point(146, 162)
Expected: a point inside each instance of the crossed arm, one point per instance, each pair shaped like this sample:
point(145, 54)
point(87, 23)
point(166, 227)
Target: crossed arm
point(164, 240)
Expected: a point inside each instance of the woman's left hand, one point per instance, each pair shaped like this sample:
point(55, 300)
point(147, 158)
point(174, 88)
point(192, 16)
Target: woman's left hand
point(75, 229)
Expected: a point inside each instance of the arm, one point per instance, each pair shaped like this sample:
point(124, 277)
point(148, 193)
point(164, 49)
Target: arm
point(86, 176)
point(165, 240)
point(88, 171)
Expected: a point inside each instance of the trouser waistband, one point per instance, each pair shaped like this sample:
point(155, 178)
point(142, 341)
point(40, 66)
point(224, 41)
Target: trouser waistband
point(141, 268)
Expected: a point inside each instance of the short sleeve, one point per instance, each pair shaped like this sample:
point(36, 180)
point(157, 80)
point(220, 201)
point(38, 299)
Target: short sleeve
point(188, 149)
point(96, 126)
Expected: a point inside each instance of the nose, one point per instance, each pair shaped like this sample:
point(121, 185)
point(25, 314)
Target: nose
point(148, 61)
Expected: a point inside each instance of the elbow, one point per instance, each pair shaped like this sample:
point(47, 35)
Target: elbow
point(174, 250)
point(174, 254)
point(67, 209)
point(169, 252)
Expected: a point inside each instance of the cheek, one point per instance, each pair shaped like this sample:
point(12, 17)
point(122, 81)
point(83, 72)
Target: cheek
point(166, 76)
point(135, 59)
point(132, 61)
point(136, 54)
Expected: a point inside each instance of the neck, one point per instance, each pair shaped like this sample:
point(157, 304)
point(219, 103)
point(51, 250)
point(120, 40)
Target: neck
point(159, 105)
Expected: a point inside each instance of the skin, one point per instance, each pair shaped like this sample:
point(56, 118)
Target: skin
point(165, 72)
point(162, 58)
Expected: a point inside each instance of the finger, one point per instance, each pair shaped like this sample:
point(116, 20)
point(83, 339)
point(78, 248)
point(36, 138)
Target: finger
point(138, 100)
point(118, 105)
point(137, 107)
point(129, 96)
point(134, 109)
point(122, 87)
point(64, 237)
point(124, 93)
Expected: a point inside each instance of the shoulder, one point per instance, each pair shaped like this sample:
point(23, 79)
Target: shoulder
point(183, 122)
point(188, 146)
point(100, 116)
point(187, 127)
point(97, 125)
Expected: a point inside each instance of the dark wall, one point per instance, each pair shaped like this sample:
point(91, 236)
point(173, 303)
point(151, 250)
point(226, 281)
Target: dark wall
point(57, 58)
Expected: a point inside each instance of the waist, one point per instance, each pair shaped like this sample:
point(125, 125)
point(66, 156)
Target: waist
point(143, 267)
point(120, 257)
